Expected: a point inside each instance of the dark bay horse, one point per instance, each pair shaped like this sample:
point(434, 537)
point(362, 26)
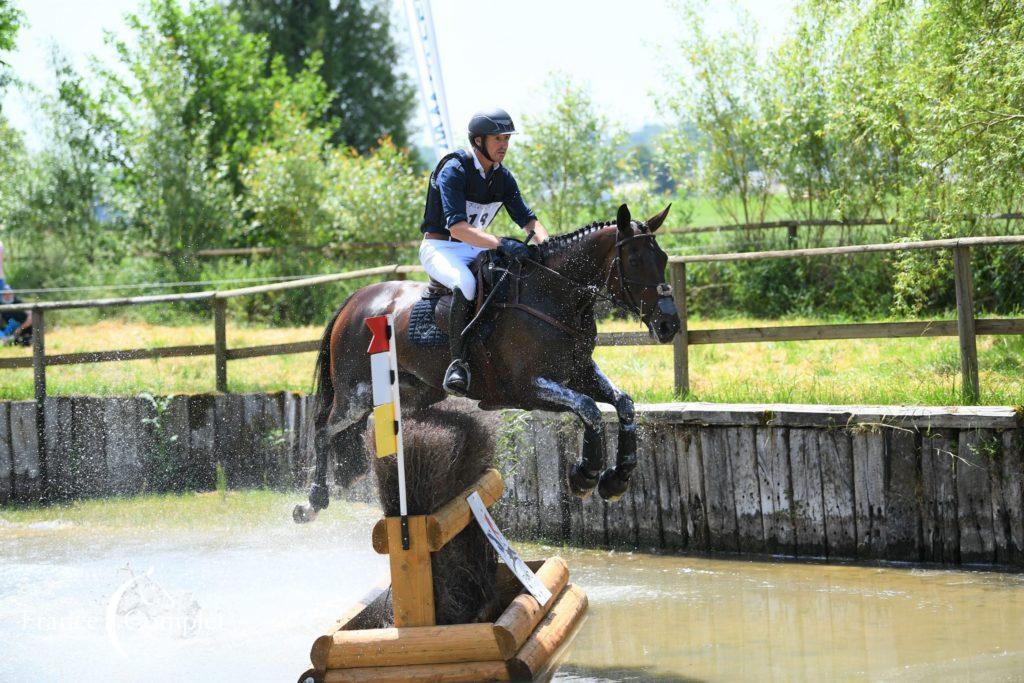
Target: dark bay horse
point(538, 357)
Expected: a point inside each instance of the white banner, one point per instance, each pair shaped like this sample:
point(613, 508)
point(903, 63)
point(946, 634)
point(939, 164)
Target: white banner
point(428, 66)
point(505, 551)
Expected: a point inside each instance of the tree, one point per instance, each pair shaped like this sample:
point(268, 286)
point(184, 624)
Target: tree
point(724, 99)
point(572, 159)
point(229, 89)
point(10, 21)
point(369, 100)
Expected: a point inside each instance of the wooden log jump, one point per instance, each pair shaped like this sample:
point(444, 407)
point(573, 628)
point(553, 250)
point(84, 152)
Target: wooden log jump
point(517, 646)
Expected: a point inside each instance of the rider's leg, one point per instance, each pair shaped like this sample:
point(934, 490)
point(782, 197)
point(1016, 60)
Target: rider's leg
point(448, 263)
point(457, 377)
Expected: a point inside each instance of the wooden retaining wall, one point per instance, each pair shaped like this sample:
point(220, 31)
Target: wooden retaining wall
point(128, 445)
point(906, 484)
point(913, 484)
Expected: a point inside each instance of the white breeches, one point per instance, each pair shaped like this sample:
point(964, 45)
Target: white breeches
point(448, 263)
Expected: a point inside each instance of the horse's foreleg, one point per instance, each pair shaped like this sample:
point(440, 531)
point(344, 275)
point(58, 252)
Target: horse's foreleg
point(614, 481)
point(584, 475)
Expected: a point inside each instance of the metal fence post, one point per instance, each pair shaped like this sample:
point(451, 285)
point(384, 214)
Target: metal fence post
point(220, 345)
point(680, 345)
point(965, 323)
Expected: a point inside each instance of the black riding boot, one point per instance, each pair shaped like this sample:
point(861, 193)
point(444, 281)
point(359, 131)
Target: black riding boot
point(456, 379)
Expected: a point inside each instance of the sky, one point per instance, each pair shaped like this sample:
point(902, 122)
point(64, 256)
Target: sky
point(492, 53)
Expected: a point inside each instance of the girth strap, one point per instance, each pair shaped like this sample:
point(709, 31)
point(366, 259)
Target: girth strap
point(557, 324)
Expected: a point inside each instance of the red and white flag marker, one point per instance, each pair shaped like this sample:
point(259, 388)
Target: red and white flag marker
point(387, 410)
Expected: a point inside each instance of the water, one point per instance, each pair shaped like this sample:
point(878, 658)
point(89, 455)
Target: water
point(246, 604)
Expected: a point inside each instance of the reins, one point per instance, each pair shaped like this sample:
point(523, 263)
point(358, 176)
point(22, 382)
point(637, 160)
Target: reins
point(630, 306)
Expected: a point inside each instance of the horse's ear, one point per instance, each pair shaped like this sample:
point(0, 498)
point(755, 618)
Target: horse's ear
point(654, 222)
point(624, 221)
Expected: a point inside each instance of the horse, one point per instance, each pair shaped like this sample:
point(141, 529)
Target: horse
point(538, 355)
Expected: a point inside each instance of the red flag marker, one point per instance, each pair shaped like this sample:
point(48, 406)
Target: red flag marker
point(379, 328)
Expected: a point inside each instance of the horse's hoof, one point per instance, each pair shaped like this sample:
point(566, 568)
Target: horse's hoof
point(319, 497)
point(612, 485)
point(303, 513)
point(580, 483)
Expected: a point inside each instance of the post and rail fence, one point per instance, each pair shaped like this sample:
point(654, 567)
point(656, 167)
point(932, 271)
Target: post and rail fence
point(965, 326)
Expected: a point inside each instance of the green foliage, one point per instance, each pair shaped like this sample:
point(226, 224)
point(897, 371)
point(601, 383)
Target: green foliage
point(377, 197)
point(573, 161)
point(912, 111)
point(10, 22)
point(223, 88)
point(221, 481)
point(723, 98)
point(369, 100)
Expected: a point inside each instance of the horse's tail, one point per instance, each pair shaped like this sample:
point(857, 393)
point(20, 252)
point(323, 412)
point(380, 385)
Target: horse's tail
point(323, 385)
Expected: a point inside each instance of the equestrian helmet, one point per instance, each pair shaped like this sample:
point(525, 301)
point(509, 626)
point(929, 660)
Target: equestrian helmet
point(490, 122)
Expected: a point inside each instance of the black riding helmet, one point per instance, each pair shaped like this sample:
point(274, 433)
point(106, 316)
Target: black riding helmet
point(489, 122)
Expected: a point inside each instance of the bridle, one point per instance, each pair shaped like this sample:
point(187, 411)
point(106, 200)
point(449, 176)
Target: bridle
point(618, 267)
point(664, 290)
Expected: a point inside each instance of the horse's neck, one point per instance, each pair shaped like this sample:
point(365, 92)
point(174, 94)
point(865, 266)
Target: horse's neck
point(586, 260)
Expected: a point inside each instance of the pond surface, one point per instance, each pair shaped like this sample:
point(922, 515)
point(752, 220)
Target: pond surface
point(79, 603)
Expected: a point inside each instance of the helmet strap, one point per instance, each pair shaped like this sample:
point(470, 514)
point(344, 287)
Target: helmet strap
point(482, 147)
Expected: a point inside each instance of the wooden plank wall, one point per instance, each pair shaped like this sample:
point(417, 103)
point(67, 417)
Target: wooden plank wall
point(129, 445)
point(945, 488)
point(867, 491)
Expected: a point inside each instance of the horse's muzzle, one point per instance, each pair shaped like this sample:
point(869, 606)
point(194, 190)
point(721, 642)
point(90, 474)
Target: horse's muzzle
point(664, 321)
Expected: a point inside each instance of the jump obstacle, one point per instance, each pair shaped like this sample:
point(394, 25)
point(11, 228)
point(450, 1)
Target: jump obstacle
point(519, 645)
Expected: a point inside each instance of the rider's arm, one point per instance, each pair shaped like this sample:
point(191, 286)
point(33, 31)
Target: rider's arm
point(540, 233)
point(520, 212)
point(464, 232)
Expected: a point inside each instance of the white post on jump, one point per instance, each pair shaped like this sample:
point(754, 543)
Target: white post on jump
point(387, 406)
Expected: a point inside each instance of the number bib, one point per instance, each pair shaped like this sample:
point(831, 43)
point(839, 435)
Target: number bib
point(481, 215)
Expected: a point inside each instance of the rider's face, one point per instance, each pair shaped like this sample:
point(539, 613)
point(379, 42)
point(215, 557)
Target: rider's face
point(497, 146)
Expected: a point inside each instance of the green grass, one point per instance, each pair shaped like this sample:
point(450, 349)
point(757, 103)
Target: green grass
point(199, 511)
point(923, 371)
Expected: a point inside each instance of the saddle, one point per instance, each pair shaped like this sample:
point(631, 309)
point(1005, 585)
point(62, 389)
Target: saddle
point(428, 321)
point(486, 268)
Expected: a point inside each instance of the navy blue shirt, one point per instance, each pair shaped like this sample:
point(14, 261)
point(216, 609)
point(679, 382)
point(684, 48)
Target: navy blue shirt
point(457, 192)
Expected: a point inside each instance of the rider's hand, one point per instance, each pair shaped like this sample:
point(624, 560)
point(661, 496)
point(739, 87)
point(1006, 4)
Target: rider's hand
point(514, 249)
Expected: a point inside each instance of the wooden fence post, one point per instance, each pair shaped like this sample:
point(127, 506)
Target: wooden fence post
point(791, 235)
point(965, 323)
point(680, 345)
point(39, 354)
point(39, 382)
point(220, 344)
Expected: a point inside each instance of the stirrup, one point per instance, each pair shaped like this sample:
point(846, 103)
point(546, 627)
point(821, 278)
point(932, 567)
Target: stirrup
point(454, 383)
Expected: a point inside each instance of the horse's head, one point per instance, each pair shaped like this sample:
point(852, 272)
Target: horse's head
point(637, 275)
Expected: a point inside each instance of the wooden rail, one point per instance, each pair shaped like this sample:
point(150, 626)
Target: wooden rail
point(965, 326)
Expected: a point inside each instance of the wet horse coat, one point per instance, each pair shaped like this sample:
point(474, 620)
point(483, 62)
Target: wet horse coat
point(539, 356)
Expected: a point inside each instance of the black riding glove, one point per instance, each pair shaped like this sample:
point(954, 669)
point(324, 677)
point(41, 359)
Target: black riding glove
point(514, 249)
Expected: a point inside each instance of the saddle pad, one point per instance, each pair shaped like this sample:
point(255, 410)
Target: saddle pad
point(423, 331)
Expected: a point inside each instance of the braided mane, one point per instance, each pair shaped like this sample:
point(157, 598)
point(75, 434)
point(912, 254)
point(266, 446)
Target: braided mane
point(559, 242)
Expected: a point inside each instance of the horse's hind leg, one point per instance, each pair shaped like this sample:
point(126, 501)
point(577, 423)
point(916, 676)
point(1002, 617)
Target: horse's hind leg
point(340, 436)
point(584, 475)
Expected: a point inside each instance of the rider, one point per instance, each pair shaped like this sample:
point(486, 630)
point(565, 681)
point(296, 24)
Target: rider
point(466, 191)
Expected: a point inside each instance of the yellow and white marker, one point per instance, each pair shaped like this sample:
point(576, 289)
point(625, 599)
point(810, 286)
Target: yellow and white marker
point(387, 408)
